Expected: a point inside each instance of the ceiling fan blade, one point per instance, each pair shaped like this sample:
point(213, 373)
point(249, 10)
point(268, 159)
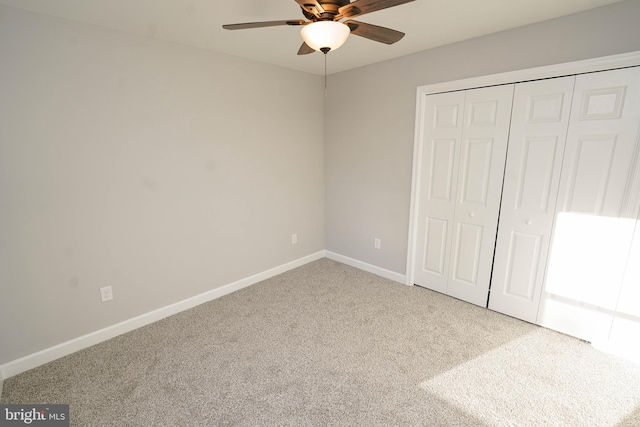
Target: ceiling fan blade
point(360, 7)
point(305, 49)
point(311, 6)
point(374, 32)
point(246, 25)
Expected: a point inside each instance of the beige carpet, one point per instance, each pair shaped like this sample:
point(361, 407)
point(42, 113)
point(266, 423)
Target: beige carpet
point(327, 344)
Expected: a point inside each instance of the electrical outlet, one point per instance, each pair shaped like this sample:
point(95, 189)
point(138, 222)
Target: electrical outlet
point(294, 239)
point(376, 243)
point(106, 293)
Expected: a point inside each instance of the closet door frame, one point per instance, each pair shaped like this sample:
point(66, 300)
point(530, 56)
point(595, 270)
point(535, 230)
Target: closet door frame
point(558, 70)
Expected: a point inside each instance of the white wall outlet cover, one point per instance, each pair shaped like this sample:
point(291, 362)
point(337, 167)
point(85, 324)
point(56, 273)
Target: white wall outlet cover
point(106, 293)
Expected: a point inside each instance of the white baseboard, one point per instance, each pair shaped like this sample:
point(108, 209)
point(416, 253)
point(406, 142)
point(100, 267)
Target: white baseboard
point(383, 272)
point(39, 358)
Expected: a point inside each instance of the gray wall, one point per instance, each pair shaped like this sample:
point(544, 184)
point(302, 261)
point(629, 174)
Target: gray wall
point(370, 111)
point(162, 170)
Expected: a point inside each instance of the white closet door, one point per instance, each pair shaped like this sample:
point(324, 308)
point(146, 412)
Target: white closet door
point(441, 133)
point(596, 216)
point(483, 150)
point(537, 139)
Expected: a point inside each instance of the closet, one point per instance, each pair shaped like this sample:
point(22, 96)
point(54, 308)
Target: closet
point(528, 199)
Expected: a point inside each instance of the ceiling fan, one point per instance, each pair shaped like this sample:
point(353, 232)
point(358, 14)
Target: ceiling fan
point(325, 30)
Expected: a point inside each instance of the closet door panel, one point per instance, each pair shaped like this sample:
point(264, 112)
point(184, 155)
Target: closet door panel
point(537, 138)
point(484, 139)
point(623, 339)
point(441, 133)
point(467, 251)
point(596, 206)
point(590, 173)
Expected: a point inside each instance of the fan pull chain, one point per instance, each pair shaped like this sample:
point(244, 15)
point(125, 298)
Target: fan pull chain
point(325, 74)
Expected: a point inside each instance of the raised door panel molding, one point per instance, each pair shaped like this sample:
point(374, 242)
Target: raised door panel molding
point(522, 265)
point(476, 169)
point(482, 113)
point(466, 253)
point(445, 116)
point(536, 176)
point(590, 173)
point(435, 243)
point(441, 169)
point(602, 104)
point(545, 108)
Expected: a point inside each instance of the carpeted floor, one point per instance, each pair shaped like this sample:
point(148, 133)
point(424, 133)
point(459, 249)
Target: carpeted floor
point(327, 344)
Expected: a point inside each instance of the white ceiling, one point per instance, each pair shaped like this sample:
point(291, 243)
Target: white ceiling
point(427, 23)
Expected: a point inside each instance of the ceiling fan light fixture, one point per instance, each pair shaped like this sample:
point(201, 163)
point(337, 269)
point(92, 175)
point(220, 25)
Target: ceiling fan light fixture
point(325, 35)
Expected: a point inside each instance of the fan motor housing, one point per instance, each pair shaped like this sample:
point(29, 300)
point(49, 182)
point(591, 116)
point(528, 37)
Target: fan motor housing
point(330, 7)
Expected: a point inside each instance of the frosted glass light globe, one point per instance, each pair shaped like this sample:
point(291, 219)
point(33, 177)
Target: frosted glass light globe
point(325, 34)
